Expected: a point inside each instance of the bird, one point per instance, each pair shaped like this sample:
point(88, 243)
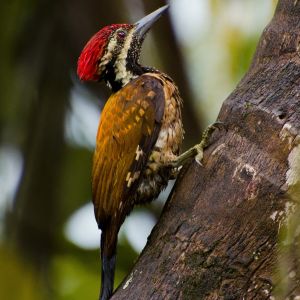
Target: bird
point(138, 143)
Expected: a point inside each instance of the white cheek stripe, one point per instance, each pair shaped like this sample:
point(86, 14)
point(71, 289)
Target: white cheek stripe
point(109, 53)
point(122, 73)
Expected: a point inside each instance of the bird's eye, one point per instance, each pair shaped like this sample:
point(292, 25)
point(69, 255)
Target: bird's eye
point(121, 34)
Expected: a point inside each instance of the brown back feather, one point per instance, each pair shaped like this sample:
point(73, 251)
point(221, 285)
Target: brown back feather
point(131, 117)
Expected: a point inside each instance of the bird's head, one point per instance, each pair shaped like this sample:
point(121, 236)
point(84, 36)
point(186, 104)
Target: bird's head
point(113, 52)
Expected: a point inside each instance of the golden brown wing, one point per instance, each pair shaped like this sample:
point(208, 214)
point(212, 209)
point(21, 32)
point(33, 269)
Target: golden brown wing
point(128, 129)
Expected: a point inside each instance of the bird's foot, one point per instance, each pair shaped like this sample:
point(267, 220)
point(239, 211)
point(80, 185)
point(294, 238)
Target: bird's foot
point(205, 140)
point(197, 150)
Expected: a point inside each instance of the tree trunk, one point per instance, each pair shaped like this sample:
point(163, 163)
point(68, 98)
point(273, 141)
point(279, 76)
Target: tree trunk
point(223, 233)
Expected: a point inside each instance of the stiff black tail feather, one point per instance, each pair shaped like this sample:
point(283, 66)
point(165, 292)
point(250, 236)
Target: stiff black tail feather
point(108, 269)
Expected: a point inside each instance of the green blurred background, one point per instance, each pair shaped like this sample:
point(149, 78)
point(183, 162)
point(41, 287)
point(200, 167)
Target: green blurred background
point(48, 121)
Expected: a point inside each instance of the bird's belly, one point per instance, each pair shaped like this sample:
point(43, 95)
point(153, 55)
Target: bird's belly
point(157, 173)
point(150, 187)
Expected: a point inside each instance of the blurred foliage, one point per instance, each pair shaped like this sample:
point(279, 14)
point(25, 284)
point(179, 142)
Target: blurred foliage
point(241, 51)
point(287, 275)
point(73, 279)
point(18, 279)
point(287, 270)
point(223, 48)
point(40, 42)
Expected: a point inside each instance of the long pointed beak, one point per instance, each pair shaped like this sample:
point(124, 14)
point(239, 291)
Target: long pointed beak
point(143, 25)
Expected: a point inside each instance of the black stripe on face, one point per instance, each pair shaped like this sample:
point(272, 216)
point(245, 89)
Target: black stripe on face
point(110, 77)
point(132, 61)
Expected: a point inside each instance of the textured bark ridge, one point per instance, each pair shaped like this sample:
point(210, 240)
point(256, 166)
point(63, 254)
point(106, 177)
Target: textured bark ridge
point(223, 233)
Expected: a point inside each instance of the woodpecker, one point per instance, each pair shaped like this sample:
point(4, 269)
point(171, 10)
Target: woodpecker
point(139, 135)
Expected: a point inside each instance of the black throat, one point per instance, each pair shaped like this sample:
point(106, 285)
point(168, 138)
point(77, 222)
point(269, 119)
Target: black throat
point(110, 78)
point(133, 70)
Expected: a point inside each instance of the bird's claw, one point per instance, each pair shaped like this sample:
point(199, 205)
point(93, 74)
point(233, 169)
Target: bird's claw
point(199, 155)
point(205, 138)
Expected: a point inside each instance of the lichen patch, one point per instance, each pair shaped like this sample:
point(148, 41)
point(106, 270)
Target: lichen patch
point(273, 215)
point(287, 135)
point(293, 175)
point(125, 286)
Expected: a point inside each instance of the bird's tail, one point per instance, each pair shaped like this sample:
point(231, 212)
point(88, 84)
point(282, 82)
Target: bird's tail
point(108, 259)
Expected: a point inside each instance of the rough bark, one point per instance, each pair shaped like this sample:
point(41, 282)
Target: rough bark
point(223, 233)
